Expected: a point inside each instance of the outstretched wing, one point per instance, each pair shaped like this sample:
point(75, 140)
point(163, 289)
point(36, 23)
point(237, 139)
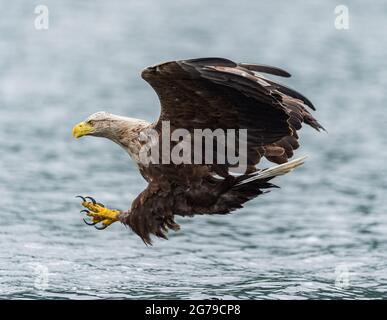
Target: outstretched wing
point(218, 93)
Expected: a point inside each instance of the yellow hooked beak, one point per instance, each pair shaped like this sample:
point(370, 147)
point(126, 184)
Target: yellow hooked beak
point(82, 129)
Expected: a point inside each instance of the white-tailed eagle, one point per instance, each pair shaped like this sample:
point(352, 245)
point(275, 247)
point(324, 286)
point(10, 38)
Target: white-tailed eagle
point(206, 93)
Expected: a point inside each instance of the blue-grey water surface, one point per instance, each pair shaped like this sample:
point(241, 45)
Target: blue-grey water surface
point(322, 235)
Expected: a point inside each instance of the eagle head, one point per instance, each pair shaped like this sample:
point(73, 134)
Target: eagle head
point(98, 124)
point(122, 130)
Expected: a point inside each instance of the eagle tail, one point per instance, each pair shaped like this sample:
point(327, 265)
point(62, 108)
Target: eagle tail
point(269, 173)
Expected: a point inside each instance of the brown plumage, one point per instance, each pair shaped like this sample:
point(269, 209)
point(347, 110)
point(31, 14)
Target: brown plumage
point(209, 93)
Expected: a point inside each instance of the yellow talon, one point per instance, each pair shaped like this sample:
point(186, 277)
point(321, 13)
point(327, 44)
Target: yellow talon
point(99, 214)
point(107, 222)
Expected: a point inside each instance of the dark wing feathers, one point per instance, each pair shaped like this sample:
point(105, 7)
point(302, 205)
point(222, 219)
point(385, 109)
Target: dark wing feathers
point(265, 69)
point(297, 115)
point(292, 93)
point(218, 93)
point(211, 62)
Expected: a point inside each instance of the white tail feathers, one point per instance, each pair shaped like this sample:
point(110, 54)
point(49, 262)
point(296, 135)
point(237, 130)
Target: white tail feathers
point(275, 171)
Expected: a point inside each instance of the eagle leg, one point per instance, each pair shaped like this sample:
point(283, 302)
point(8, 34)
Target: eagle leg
point(98, 213)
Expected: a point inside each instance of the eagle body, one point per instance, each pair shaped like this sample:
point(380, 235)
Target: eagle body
point(206, 93)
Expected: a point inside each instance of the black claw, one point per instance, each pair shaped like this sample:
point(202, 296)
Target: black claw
point(89, 223)
point(84, 211)
point(101, 228)
point(91, 199)
point(83, 198)
point(100, 204)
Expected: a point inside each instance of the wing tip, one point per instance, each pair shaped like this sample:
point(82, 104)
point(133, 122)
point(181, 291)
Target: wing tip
point(213, 61)
point(266, 69)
